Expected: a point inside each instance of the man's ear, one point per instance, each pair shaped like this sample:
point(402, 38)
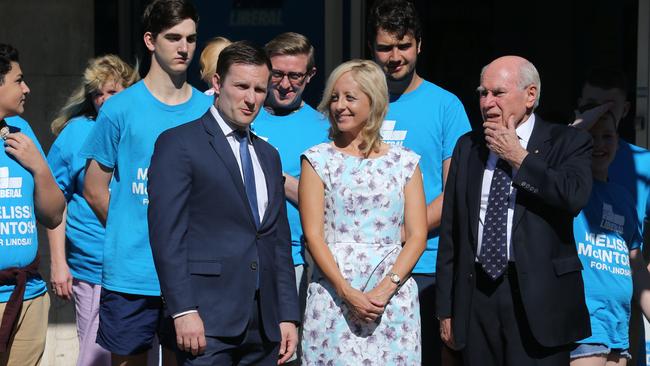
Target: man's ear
point(626, 108)
point(310, 75)
point(149, 41)
point(419, 46)
point(215, 82)
point(531, 95)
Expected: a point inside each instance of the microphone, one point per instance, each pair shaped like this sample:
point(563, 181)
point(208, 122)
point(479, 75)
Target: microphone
point(4, 129)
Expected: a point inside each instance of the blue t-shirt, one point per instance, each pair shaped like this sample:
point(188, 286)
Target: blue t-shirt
point(631, 169)
point(605, 231)
point(18, 235)
point(291, 135)
point(84, 233)
point(123, 139)
point(428, 121)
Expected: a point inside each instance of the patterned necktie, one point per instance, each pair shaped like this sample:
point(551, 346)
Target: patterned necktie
point(247, 170)
point(494, 247)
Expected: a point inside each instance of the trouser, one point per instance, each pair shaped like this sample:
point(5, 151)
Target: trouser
point(499, 333)
point(250, 348)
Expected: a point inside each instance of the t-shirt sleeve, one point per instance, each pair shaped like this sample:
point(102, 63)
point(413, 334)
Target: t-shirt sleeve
point(456, 124)
point(314, 156)
point(102, 142)
point(60, 162)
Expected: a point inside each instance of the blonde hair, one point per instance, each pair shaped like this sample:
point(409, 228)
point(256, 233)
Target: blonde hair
point(372, 82)
point(210, 56)
point(99, 71)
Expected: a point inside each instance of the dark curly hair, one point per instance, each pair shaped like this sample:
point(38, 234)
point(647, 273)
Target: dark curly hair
point(397, 17)
point(8, 54)
point(160, 15)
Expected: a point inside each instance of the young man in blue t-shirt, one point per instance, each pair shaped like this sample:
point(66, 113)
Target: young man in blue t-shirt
point(425, 118)
point(118, 150)
point(27, 193)
point(291, 126)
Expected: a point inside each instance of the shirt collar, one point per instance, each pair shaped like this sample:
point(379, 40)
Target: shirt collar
point(226, 128)
point(525, 129)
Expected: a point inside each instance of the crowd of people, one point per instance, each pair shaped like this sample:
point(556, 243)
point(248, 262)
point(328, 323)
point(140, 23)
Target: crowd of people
point(182, 218)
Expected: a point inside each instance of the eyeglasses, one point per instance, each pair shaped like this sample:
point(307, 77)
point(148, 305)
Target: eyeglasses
point(294, 77)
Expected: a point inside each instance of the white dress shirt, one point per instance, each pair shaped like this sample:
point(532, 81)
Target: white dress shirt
point(260, 180)
point(524, 130)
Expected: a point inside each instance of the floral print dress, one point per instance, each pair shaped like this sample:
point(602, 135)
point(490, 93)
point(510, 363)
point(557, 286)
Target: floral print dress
point(364, 210)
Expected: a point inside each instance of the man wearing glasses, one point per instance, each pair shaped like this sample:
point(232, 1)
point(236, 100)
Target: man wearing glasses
point(291, 126)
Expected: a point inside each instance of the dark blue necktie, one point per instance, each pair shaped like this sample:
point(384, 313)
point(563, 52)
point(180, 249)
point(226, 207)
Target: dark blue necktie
point(494, 247)
point(249, 174)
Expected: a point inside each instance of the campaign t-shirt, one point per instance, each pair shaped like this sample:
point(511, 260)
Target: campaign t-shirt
point(631, 169)
point(291, 135)
point(123, 139)
point(18, 235)
point(84, 233)
point(429, 120)
point(605, 231)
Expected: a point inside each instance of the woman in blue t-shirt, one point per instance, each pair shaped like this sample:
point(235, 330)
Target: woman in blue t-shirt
point(608, 239)
point(76, 263)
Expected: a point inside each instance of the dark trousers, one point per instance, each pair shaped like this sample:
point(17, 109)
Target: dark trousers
point(434, 352)
point(499, 334)
point(250, 348)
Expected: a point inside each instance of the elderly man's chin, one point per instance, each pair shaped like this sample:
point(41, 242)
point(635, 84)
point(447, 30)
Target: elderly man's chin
point(493, 119)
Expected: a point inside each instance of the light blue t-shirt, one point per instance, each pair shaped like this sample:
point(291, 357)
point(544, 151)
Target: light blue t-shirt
point(429, 121)
point(123, 139)
point(631, 169)
point(291, 135)
point(18, 235)
point(605, 231)
point(84, 233)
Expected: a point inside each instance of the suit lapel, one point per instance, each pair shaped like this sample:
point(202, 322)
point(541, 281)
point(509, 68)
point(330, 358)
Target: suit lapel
point(221, 146)
point(269, 174)
point(538, 144)
point(478, 160)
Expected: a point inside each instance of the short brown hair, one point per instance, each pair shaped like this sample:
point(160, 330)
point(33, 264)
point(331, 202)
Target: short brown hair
point(291, 43)
point(241, 52)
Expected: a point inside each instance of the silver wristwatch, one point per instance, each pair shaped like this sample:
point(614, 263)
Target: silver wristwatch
point(394, 278)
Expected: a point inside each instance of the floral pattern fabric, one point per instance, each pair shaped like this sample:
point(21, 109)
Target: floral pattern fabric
point(364, 211)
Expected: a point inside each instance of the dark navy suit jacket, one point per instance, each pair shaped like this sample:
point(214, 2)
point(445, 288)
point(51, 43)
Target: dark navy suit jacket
point(553, 184)
point(206, 247)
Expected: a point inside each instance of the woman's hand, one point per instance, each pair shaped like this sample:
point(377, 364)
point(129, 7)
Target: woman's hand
point(380, 295)
point(361, 306)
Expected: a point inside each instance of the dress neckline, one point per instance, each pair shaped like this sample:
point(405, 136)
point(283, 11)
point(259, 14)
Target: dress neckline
point(344, 154)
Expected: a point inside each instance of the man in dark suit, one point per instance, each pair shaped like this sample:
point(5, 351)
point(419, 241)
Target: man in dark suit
point(510, 290)
point(218, 227)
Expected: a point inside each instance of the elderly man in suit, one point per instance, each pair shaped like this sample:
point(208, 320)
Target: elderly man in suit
point(510, 290)
point(218, 227)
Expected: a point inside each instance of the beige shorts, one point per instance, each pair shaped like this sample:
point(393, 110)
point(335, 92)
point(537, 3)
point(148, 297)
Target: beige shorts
point(27, 341)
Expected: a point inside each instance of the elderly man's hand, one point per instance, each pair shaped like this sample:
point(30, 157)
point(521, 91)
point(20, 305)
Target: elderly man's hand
point(503, 141)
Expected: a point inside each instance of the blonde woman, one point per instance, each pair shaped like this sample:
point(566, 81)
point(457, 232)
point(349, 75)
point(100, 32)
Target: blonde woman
point(356, 195)
point(209, 58)
point(76, 244)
